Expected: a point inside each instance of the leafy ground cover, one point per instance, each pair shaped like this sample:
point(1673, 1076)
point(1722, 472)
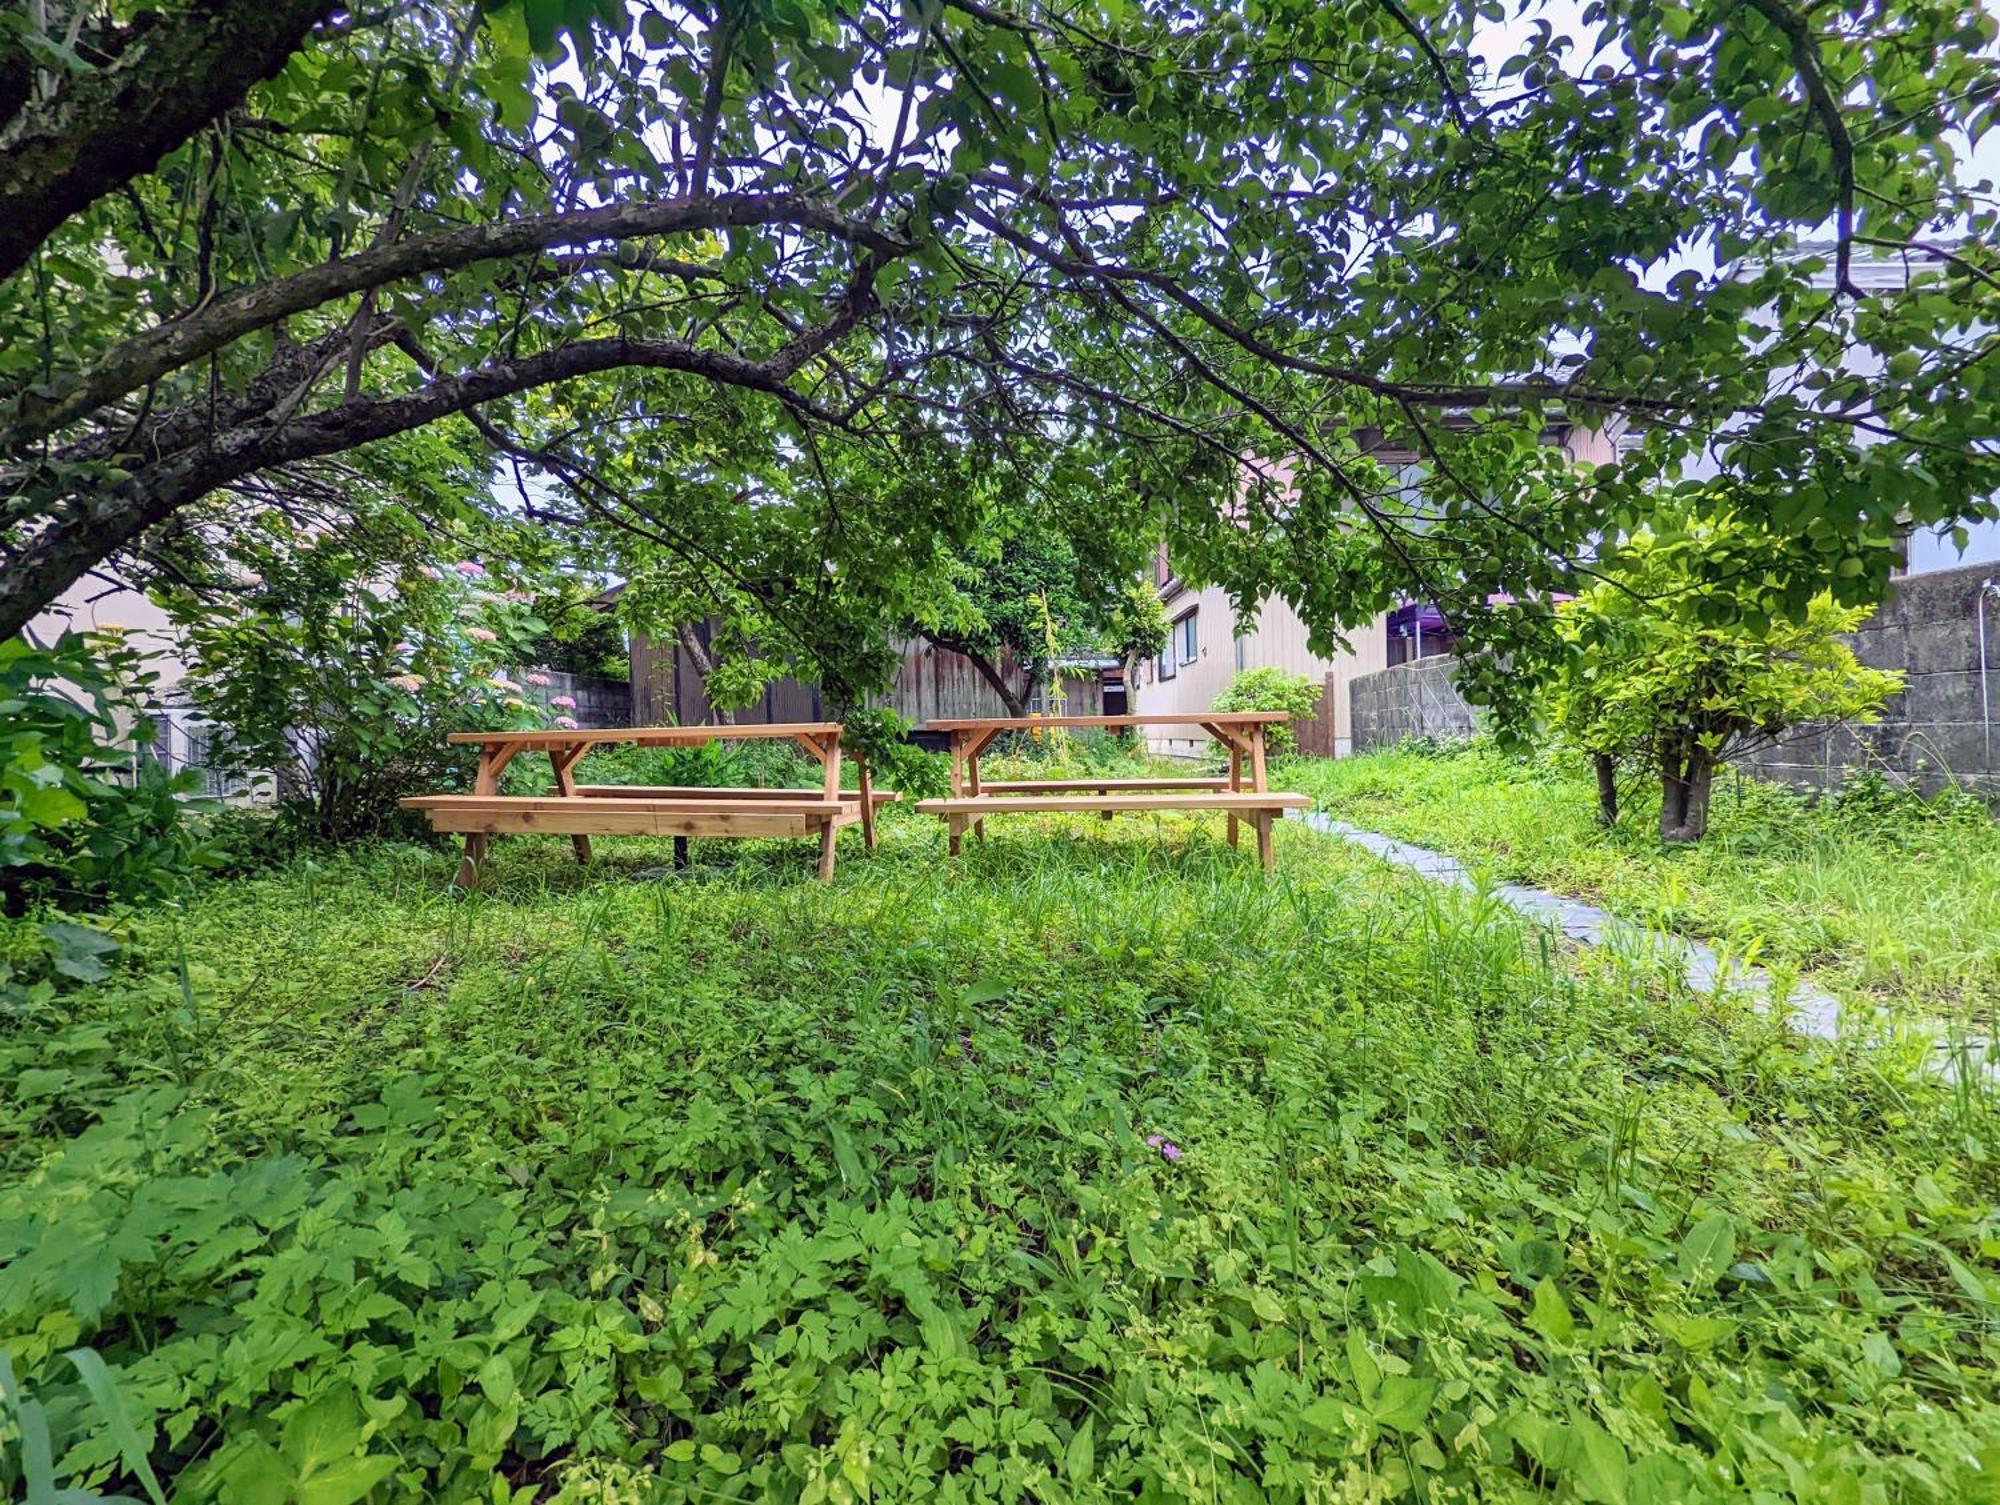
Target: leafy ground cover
point(1877, 894)
point(1094, 1165)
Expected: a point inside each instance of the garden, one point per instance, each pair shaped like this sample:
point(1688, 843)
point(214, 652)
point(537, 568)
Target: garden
point(1096, 1167)
point(755, 414)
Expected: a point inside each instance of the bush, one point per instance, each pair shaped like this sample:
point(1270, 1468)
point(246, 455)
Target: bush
point(1272, 690)
point(87, 817)
point(343, 679)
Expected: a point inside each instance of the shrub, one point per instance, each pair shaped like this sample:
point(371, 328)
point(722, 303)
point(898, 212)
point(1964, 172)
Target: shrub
point(343, 678)
point(87, 817)
point(1661, 672)
point(1272, 690)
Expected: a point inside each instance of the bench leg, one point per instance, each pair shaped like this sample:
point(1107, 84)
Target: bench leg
point(867, 806)
point(680, 854)
point(1103, 814)
point(582, 845)
point(468, 865)
point(955, 830)
point(1232, 830)
point(827, 832)
point(1264, 855)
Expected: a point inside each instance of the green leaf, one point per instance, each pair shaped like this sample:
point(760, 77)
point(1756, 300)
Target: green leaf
point(1550, 1314)
point(103, 1388)
point(1080, 1457)
point(345, 1482)
point(1708, 1250)
point(321, 1431)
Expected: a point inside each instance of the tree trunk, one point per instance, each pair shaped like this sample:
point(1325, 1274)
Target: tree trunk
point(1607, 788)
point(1687, 775)
point(704, 665)
point(1016, 705)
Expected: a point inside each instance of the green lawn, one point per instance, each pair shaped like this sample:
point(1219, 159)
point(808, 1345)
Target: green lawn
point(1094, 1166)
point(1878, 896)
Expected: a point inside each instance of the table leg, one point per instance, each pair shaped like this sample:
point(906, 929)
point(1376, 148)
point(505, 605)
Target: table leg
point(954, 826)
point(1235, 785)
point(1257, 757)
point(468, 865)
point(867, 804)
point(957, 764)
point(1263, 820)
point(563, 759)
point(829, 789)
point(972, 787)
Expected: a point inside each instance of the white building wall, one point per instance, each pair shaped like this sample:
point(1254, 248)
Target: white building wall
point(1276, 640)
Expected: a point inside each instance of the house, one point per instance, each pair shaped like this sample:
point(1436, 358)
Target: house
point(1208, 643)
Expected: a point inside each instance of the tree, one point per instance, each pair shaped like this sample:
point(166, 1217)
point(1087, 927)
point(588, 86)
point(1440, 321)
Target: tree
point(1665, 670)
point(968, 225)
point(345, 659)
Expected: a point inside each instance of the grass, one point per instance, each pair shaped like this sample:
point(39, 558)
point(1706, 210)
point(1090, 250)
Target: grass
point(1877, 895)
point(1094, 1165)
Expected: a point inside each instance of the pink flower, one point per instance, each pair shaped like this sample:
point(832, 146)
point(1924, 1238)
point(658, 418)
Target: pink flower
point(538, 679)
point(481, 635)
point(470, 570)
point(406, 647)
point(502, 682)
point(427, 572)
point(518, 596)
point(409, 684)
point(568, 723)
point(1169, 1151)
point(567, 702)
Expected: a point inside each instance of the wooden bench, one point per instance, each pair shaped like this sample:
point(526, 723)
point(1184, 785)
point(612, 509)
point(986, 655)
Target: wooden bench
point(581, 811)
point(1259, 808)
point(1241, 733)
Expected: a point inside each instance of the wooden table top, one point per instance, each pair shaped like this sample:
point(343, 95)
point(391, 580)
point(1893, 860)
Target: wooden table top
point(651, 736)
point(1173, 718)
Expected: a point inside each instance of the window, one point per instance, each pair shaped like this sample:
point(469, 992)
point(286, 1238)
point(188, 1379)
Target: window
point(1185, 639)
point(1163, 666)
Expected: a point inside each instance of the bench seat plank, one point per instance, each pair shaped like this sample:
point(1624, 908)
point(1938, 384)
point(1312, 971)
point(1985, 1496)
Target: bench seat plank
point(801, 802)
point(1102, 786)
point(1001, 804)
point(711, 793)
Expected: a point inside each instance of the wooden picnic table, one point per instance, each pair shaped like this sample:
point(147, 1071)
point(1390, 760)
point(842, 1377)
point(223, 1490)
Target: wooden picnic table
point(1241, 732)
point(583, 811)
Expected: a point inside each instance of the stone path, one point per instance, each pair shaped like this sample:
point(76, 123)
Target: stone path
point(1811, 1011)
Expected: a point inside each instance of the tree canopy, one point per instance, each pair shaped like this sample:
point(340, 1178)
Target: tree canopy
point(1237, 246)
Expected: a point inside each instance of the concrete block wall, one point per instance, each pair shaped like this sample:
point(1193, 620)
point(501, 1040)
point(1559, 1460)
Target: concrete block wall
point(1415, 699)
point(1941, 729)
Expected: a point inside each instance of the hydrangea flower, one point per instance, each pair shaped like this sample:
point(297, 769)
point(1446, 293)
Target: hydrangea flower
point(568, 723)
point(516, 703)
point(567, 702)
point(427, 572)
point(470, 570)
point(482, 635)
point(409, 684)
point(502, 682)
point(406, 647)
point(538, 679)
point(520, 596)
point(1169, 1151)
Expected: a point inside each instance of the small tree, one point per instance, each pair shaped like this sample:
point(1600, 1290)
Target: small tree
point(342, 672)
point(1272, 690)
point(1662, 672)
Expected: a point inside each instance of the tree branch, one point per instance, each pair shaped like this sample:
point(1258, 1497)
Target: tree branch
point(170, 76)
point(172, 346)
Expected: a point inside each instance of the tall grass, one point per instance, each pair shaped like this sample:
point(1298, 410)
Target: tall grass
point(1877, 895)
point(768, 1178)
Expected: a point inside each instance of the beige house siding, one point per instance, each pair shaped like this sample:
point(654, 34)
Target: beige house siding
point(1276, 640)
